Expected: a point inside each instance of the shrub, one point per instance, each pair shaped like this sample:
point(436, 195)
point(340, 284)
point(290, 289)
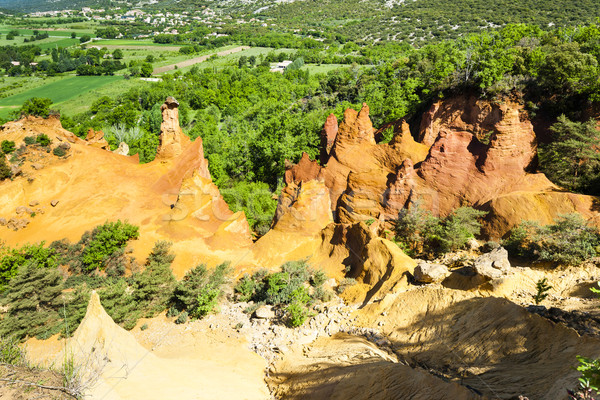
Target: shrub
point(182, 318)
point(172, 312)
point(293, 288)
point(590, 373)
point(154, 286)
point(255, 199)
point(13, 259)
point(296, 314)
point(11, 353)
point(37, 106)
point(420, 233)
point(59, 152)
point(32, 298)
point(199, 292)
point(43, 140)
point(5, 171)
point(569, 241)
point(594, 290)
point(345, 284)
point(542, 288)
point(7, 146)
point(29, 140)
point(104, 241)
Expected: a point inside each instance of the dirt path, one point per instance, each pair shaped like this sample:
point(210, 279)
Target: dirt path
point(197, 60)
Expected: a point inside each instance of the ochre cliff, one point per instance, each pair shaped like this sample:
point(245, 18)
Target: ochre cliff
point(172, 198)
point(470, 153)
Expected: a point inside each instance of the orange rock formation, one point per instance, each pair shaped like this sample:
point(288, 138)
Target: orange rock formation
point(471, 152)
point(172, 198)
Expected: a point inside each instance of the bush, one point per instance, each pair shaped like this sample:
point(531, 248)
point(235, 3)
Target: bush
point(154, 286)
point(11, 260)
point(36, 106)
point(182, 318)
point(43, 140)
point(32, 298)
point(345, 284)
point(590, 373)
point(255, 199)
point(420, 233)
point(287, 289)
point(5, 171)
point(11, 353)
point(7, 146)
point(569, 241)
point(59, 152)
point(199, 292)
point(296, 314)
point(104, 241)
point(542, 289)
point(29, 140)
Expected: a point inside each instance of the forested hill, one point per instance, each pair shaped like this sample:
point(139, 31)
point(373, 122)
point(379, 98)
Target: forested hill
point(49, 5)
point(428, 19)
point(414, 21)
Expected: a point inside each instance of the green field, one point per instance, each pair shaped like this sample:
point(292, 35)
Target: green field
point(58, 91)
point(83, 101)
point(323, 68)
point(131, 42)
point(232, 59)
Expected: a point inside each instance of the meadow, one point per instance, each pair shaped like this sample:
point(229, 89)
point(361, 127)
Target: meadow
point(58, 91)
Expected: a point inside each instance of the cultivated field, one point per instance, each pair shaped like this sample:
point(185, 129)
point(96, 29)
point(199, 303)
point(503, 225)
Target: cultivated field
point(58, 91)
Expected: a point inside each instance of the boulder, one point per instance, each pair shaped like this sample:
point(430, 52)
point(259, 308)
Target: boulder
point(3, 221)
point(15, 170)
point(96, 139)
point(492, 265)
point(264, 312)
point(65, 146)
point(123, 149)
point(54, 203)
point(22, 209)
point(37, 166)
point(17, 223)
point(426, 272)
point(33, 203)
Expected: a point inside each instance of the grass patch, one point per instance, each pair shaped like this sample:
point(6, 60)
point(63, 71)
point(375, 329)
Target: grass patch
point(83, 101)
point(58, 91)
point(131, 42)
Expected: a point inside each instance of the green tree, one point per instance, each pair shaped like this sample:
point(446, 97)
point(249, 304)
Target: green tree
point(542, 288)
point(5, 171)
point(7, 146)
point(118, 54)
point(146, 70)
point(38, 106)
point(570, 240)
point(104, 240)
point(198, 293)
point(572, 160)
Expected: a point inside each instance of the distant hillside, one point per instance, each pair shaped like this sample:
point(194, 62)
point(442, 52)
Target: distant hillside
point(414, 21)
point(49, 5)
